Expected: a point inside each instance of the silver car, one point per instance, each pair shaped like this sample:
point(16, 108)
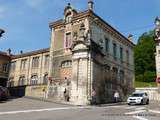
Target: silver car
point(138, 98)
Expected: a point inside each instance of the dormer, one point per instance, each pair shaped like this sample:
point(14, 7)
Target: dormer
point(69, 12)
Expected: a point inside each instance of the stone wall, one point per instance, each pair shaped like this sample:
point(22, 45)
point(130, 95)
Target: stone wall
point(38, 91)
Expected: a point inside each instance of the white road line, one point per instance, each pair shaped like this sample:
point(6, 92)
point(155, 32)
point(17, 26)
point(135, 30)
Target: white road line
point(40, 110)
point(130, 107)
point(113, 106)
point(139, 118)
point(135, 112)
point(140, 108)
point(108, 106)
point(154, 111)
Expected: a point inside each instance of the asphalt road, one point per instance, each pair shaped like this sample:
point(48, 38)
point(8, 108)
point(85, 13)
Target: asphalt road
point(28, 109)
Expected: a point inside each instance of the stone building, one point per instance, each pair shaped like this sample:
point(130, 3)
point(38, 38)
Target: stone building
point(87, 57)
point(4, 68)
point(29, 71)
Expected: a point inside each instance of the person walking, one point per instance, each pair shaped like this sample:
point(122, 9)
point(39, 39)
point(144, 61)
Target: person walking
point(116, 96)
point(93, 97)
point(44, 93)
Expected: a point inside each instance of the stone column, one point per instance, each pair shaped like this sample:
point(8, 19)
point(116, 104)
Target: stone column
point(79, 83)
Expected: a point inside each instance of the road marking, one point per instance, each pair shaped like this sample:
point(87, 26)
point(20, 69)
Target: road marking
point(113, 106)
point(139, 118)
point(154, 111)
point(140, 108)
point(131, 107)
point(108, 106)
point(40, 110)
point(135, 112)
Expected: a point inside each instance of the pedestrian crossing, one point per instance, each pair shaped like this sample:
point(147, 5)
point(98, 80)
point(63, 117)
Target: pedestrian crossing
point(138, 112)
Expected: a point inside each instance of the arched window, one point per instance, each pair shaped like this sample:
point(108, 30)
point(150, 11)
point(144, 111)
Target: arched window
point(67, 63)
point(21, 81)
point(34, 80)
point(68, 17)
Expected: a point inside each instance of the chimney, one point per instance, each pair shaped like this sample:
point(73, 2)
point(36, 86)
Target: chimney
point(9, 51)
point(90, 4)
point(130, 37)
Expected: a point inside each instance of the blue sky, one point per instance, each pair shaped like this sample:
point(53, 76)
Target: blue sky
point(26, 21)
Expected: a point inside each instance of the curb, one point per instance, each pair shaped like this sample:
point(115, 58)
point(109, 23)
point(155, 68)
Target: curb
point(47, 100)
point(62, 103)
point(113, 104)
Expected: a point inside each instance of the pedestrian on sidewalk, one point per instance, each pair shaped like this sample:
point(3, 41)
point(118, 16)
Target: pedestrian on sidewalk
point(44, 93)
point(93, 97)
point(116, 96)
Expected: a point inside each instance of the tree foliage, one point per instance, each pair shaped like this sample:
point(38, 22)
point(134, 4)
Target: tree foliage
point(145, 58)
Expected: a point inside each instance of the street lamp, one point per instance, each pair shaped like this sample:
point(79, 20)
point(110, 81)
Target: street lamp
point(157, 21)
point(157, 28)
point(1, 32)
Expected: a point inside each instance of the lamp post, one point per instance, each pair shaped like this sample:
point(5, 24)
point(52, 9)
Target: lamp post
point(157, 29)
point(1, 32)
point(157, 41)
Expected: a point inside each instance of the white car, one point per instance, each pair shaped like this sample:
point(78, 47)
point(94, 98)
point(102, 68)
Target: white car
point(138, 98)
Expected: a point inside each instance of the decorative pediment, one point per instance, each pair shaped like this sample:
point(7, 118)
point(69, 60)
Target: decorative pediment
point(69, 12)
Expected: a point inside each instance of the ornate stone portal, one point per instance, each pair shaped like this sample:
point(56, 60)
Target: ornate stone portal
point(80, 71)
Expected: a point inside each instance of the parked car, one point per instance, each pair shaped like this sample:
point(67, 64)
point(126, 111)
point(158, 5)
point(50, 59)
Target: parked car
point(138, 98)
point(4, 93)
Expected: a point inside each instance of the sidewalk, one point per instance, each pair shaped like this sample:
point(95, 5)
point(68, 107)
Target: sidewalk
point(69, 103)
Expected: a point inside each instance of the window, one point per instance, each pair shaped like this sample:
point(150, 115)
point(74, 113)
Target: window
point(35, 62)
point(5, 67)
point(107, 45)
point(122, 76)
point(46, 63)
point(1, 67)
point(21, 81)
point(101, 43)
point(34, 80)
point(10, 82)
point(68, 40)
point(68, 17)
point(115, 73)
point(121, 54)
point(114, 50)
point(67, 63)
point(127, 56)
point(23, 64)
point(13, 66)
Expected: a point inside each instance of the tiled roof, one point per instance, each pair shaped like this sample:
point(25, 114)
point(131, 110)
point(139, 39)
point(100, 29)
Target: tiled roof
point(4, 54)
point(45, 50)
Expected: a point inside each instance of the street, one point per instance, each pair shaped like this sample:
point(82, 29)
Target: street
point(28, 109)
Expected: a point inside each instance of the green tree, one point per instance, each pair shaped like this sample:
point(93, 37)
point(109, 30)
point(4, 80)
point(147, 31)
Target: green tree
point(145, 58)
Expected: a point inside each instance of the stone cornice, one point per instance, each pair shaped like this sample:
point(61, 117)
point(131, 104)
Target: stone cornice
point(103, 24)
